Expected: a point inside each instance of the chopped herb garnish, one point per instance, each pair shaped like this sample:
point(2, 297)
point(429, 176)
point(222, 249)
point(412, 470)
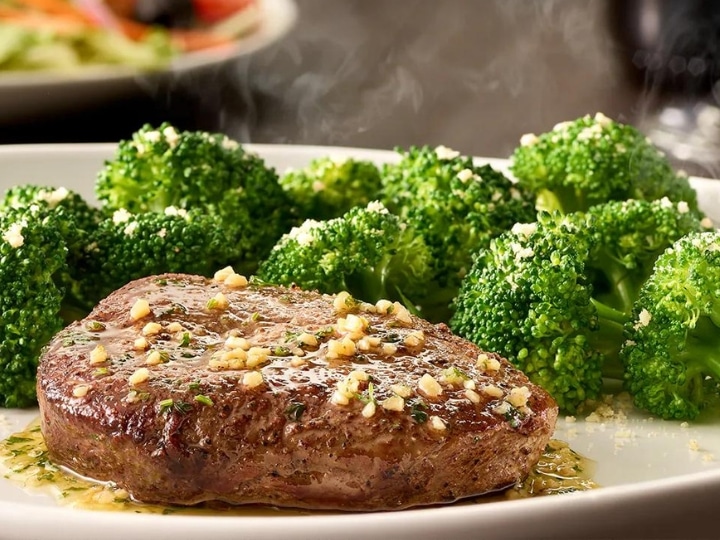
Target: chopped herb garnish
point(161, 282)
point(204, 400)
point(291, 336)
point(513, 417)
point(174, 308)
point(418, 411)
point(167, 405)
point(351, 303)
point(294, 411)
point(195, 385)
point(256, 317)
point(95, 326)
point(280, 351)
point(325, 332)
point(368, 395)
point(182, 407)
point(73, 338)
point(185, 339)
point(392, 337)
point(164, 356)
point(101, 372)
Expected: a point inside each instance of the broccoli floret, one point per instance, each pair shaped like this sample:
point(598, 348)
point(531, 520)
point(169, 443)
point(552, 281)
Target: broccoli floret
point(368, 252)
point(32, 251)
point(74, 215)
point(672, 355)
point(554, 296)
point(128, 246)
point(328, 187)
point(457, 206)
point(75, 219)
point(527, 297)
point(593, 160)
point(163, 167)
point(629, 237)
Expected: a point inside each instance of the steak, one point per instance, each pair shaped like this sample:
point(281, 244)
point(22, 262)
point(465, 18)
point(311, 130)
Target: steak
point(183, 389)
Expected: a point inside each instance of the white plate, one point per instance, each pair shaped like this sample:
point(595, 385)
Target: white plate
point(25, 95)
point(654, 483)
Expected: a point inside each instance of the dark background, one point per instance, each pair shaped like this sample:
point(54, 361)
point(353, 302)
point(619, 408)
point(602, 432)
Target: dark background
point(470, 74)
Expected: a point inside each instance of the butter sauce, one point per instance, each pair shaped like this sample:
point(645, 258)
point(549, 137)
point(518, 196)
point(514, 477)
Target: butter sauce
point(24, 460)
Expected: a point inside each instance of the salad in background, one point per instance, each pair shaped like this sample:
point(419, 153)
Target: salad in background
point(67, 35)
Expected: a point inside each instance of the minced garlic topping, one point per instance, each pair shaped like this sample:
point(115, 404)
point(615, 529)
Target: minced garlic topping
point(140, 309)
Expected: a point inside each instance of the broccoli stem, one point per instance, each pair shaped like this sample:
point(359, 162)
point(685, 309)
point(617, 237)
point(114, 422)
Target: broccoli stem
point(563, 199)
point(625, 290)
point(368, 285)
point(609, 337)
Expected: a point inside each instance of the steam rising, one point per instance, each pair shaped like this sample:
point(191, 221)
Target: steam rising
point(468, 74)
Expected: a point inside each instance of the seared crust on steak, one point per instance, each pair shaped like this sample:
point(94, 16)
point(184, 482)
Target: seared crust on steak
point(336, 405)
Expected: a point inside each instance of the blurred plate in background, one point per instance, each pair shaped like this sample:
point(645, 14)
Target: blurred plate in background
point(26, 96)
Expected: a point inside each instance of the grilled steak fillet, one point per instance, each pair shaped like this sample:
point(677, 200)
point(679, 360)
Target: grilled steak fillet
point(216, 390)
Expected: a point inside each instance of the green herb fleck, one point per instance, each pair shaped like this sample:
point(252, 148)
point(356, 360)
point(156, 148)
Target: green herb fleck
point(174, 308)
point(513, 417)
point(294, 411)
point(182, 407)
point(280, 351)
point(256, 317)
point(165, 405)
point(101, 372)
point(325, 332)
point(204, 400)
point(454, 375)
point(95, 326)
point(418, 411)
point(168, 405)
point(185, 339)
point(368, 395)
point(195, 385)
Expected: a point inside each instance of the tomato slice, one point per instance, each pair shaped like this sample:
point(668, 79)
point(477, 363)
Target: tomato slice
point(212, 11)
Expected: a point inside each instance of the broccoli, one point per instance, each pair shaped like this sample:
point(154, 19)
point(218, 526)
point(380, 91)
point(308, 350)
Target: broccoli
point(368, 252)
point(593, 160)
point(629, 237)
point(128, 246)
point(75, 219)
point(457, 206)
point(672, 352)
point(32, 251)
point(329, 187)
point(162, 167)
point(554, 296)
point(527, 297)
